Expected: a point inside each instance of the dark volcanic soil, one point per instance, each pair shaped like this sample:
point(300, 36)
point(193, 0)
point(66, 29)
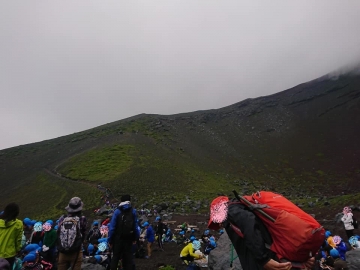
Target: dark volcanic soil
point(171, 253)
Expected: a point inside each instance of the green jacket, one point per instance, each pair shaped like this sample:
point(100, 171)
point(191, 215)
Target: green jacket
point(50, 238)
point(10, 237)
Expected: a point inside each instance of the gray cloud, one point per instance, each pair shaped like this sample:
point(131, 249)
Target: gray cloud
point(68, 66)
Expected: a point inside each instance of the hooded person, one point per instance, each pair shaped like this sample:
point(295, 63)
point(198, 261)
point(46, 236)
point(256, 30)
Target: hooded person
point(70, 253)
point(11, 231)
point(340, 246)
point(123, 233)
point(49, 241)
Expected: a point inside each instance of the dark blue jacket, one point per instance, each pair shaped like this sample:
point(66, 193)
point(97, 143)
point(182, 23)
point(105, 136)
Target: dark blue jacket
point(112, 227)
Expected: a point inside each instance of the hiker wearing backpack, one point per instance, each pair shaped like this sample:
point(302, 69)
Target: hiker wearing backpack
point(123, 233)
point(11, 231)
point(94, 234)
point(251, 238)
point(71, 234)
point(347, 219)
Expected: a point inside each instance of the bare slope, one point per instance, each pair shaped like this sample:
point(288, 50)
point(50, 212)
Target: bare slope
point(302, 142)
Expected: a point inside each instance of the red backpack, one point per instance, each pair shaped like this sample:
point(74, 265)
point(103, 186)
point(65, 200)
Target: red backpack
point(281, 217)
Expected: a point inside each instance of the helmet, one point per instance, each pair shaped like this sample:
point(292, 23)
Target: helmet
point(334, 253)
point(196, 245)
point(145, 224)
point(157, 218)
point(192, 238)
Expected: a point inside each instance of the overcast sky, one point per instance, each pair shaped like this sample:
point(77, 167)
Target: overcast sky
point(67, 66)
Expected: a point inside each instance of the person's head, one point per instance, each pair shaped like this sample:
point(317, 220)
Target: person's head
point(206, 232)
point(146, 224)
point(192, 238)
point(95, 224)
point(11, 212)
point(75, 206)
point(46, 226)
point(218, 212)
point(4, 264)
point(158, 219)
point(334, 253)
point(196, 245)
point(337, 239)
point(38, 226)
point(347, 210)
point(125, 198)
point(327, 234)
point(30, 258)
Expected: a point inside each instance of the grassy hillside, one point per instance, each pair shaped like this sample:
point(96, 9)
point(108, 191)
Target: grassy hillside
point(302, 142)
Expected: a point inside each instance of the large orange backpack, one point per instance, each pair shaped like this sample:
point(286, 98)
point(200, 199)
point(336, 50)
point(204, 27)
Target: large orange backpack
point(296, 235)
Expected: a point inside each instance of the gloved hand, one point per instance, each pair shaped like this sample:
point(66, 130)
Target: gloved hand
point(45, 248)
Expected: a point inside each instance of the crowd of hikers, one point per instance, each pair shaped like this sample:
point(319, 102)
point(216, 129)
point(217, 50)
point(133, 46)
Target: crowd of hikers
point(114, 242)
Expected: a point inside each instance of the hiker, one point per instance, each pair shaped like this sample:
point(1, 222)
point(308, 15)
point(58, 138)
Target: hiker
point(340, 246)
point(123, 233)
point(11, 231)
point(210, 245)
point(347, 219)
point(37, 235)
point(27, 228)
point(251, 247)
point(74, 224)
point(188, 254)
point(94, 234)
point(205, 236)
point(160, 230)
point(149, 237)
point(49, 242)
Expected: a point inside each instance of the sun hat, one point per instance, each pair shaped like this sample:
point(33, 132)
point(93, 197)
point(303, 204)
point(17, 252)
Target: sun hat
point(196, 244)
point(75, 205)
point(95, 223)
point(218, 212)
point(145, 224)
point(38, 226)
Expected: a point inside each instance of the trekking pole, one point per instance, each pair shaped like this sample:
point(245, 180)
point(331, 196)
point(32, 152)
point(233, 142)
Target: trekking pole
point(251, 205)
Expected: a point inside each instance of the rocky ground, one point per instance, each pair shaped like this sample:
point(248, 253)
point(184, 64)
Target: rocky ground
point(171, 253)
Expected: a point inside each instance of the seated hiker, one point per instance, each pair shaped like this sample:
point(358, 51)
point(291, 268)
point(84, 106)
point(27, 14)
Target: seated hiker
point(340, 246)
point(210, 245)
point(37, 235)
point(205, 236)
point(188, 254)
point(252, 247)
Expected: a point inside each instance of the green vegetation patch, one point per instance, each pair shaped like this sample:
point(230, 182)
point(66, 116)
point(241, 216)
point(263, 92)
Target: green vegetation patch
point(99, 164)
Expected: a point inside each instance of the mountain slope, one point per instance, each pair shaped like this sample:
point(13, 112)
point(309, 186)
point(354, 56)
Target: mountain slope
point(302, 142)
